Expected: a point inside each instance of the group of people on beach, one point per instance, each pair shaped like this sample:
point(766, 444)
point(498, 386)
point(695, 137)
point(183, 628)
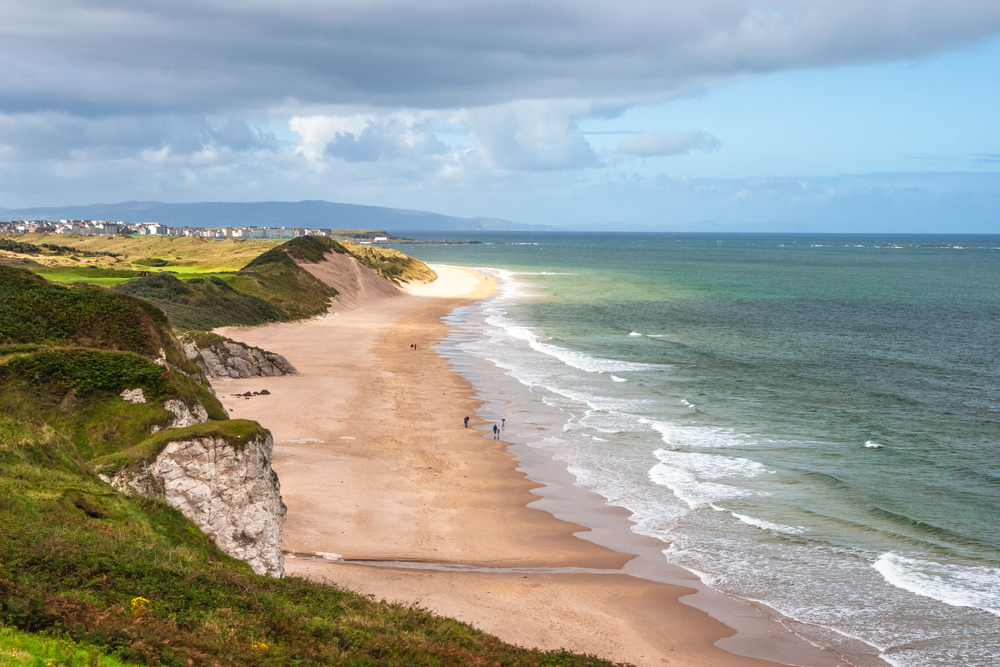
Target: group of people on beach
point(496, 429)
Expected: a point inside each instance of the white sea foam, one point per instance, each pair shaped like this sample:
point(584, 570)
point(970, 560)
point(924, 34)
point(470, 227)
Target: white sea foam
point(512, 289)
point(685, 473)
point(957, 585)
point(618, 379)
point(702, 437)
point(540, 273)
point(635, 333)
point(326, 555)
point(687, 403)
point(768, 525)
point(872, 445)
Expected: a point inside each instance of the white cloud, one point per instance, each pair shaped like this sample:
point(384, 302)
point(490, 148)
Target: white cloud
point(653, 144)
point(531, 136)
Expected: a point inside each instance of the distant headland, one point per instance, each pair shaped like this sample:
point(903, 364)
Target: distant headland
point(314, 214)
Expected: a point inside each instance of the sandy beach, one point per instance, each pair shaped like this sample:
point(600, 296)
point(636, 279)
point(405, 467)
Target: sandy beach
point(375, 465)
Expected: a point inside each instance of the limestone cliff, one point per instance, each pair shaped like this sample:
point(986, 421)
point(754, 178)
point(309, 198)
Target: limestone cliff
point(220, 357)
point(225, 486)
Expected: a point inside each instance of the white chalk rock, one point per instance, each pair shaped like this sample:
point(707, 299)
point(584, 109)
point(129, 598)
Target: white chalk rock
point(232, 495)
point(134, 395)
point(185, 416)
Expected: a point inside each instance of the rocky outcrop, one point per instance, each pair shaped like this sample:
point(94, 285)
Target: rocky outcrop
point(223, 358)
point(185, 416)
point(228, 491)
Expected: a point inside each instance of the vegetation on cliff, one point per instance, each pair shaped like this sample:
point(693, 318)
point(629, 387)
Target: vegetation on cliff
point(35, 311)
point(237, 433)
point(89, 576)
point(202, 303)
point(391, 264)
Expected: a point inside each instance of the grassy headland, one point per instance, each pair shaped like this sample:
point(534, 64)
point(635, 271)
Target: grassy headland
point(89, 576)
point(202, 284)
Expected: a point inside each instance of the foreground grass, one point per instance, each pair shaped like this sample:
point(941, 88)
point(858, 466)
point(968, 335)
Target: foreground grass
point(23, 649)
point(131, 578)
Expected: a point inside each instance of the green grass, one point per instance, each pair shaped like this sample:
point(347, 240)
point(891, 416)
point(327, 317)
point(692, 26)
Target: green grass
point(99, 277)
point(391, 264)
point(237, 432)
point(76, 557)
point(33, 310)
point(202, 303)
point(22, 649)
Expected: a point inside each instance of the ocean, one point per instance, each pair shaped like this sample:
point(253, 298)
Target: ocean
point(811, 422)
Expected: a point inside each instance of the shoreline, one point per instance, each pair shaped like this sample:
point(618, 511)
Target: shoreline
point(375, 466)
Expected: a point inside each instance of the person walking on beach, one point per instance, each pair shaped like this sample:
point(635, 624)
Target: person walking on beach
point(503, 423)
point(496, 432)
point(466, 422)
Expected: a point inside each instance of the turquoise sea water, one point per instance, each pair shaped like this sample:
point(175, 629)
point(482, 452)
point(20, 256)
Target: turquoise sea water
point(812, 422)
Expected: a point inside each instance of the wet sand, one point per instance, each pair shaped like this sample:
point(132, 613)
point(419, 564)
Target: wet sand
point(375, 465)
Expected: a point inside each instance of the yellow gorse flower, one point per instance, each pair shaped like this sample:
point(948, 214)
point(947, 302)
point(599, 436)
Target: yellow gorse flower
point(138, 605)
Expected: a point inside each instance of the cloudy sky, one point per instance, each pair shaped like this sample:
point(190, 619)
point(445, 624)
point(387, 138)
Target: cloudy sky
point(852, 115)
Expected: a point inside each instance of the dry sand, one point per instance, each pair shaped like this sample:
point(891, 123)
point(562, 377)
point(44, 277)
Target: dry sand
point(375, 465)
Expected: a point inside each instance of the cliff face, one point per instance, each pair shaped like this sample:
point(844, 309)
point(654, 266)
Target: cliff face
point(228, 491)
point(222, 358)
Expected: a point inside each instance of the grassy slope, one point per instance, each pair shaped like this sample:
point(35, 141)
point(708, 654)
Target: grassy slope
point(34, 311)
point(202, 303)
point(193, 254)
point(129, 577)
point(274, 277)
point(392, 264)
point(225, 282)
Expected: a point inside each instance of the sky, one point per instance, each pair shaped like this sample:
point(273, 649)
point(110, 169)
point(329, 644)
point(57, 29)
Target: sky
point(770, 115)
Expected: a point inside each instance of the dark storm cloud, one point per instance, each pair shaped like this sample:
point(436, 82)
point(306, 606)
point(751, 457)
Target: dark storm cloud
point(116, 56)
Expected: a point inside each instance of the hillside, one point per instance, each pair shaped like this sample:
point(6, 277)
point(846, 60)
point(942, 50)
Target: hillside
point(310, 214)
point(202, 284)
point(90, 576)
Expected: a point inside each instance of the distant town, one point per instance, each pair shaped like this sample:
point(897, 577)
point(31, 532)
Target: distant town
point(104, 228)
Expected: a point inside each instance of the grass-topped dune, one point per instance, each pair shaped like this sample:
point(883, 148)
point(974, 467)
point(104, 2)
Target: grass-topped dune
point(276, 285)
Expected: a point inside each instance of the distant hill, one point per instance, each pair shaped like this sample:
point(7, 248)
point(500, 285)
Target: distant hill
point(311, 214)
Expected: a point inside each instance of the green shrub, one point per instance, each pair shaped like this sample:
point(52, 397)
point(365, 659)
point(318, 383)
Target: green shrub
point(35, 311)
point(85, 371)
point(151, 261)
point(202, 303)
